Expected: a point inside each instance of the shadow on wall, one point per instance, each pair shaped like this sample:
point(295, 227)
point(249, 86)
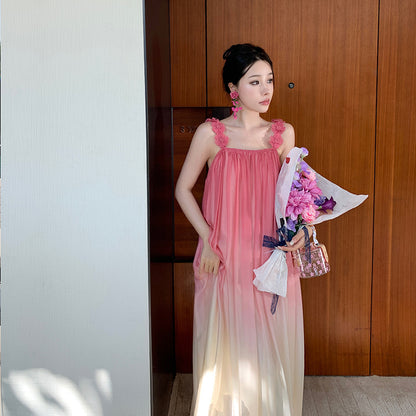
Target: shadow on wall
point(38, 392)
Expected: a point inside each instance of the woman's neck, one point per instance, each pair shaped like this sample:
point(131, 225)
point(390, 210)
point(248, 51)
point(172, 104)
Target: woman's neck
point(248, 119)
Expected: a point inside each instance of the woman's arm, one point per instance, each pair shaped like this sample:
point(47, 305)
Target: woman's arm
point(288, 144)
point(201, 150)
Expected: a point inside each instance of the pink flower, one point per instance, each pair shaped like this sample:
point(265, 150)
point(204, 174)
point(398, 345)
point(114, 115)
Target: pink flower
point(298, 201)
point(234, 95)
point(310, 175)
point(310, 186)
point(309, 214)
point(305, 202)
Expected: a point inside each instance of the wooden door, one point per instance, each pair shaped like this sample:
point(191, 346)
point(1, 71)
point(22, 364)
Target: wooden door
point(394, 287)
point(328, 49)
point(188, 48)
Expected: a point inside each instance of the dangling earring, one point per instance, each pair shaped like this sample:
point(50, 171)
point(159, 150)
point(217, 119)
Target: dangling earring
point(235, 108)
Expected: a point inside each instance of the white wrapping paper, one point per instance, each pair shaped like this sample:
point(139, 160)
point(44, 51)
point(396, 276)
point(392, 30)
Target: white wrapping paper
point(275, 266)
point(272, 275)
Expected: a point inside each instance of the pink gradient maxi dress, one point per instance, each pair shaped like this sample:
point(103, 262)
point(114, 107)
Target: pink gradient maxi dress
point(246, 360)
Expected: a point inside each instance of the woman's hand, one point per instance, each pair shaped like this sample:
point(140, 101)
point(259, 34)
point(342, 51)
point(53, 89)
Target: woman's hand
point(298, 240)
point(210, 262)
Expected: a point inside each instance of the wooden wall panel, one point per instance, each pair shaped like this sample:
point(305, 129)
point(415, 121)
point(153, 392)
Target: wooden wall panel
point(159, 127)
point(187, 39)
point(328, 49)
point(394, 288)
point(159, 123)
point(184, 312)
point(162, 318)
point(225, 27)
point(185, 122)
point(162, 330)
point(160, 184)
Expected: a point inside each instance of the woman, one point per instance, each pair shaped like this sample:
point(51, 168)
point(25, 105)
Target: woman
point(246, 360)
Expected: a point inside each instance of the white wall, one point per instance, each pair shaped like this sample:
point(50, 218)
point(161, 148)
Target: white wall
point(75, 321)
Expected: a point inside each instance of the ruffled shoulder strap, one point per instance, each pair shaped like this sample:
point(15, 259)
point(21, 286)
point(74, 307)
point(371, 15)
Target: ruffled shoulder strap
point(278, 127)
point(218, 128)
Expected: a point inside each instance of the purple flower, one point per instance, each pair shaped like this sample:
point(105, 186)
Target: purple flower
point(320, 200)
point(304, 166)
point(296, 185)
point(291, 225)
point(324, 204)
point(328, 205)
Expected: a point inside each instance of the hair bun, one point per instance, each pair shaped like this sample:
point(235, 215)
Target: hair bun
point(234, 49)
point(227, 53)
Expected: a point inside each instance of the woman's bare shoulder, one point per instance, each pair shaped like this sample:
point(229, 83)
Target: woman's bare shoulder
point(204, 132)
point(289, 129)
point(288, 135)
point(203, 141)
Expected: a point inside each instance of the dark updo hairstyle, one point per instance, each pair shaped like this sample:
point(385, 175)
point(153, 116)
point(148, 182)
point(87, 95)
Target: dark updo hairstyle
point(239, 59)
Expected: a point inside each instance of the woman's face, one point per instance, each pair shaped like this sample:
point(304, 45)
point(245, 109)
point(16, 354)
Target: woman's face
point(255, 88)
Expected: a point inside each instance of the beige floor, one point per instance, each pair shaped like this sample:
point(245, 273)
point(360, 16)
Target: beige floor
point(332, 396)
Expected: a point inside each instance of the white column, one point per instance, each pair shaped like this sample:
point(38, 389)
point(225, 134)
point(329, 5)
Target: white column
point(75, 313)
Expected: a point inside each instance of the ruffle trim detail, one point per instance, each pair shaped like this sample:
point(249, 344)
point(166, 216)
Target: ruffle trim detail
point(278, 127)
point(218, 128)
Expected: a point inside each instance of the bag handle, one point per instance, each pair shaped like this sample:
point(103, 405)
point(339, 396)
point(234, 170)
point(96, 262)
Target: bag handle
point(315, 240)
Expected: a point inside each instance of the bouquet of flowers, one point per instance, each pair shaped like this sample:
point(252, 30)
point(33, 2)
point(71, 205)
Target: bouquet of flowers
point(305, 201)
point(301, 199)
